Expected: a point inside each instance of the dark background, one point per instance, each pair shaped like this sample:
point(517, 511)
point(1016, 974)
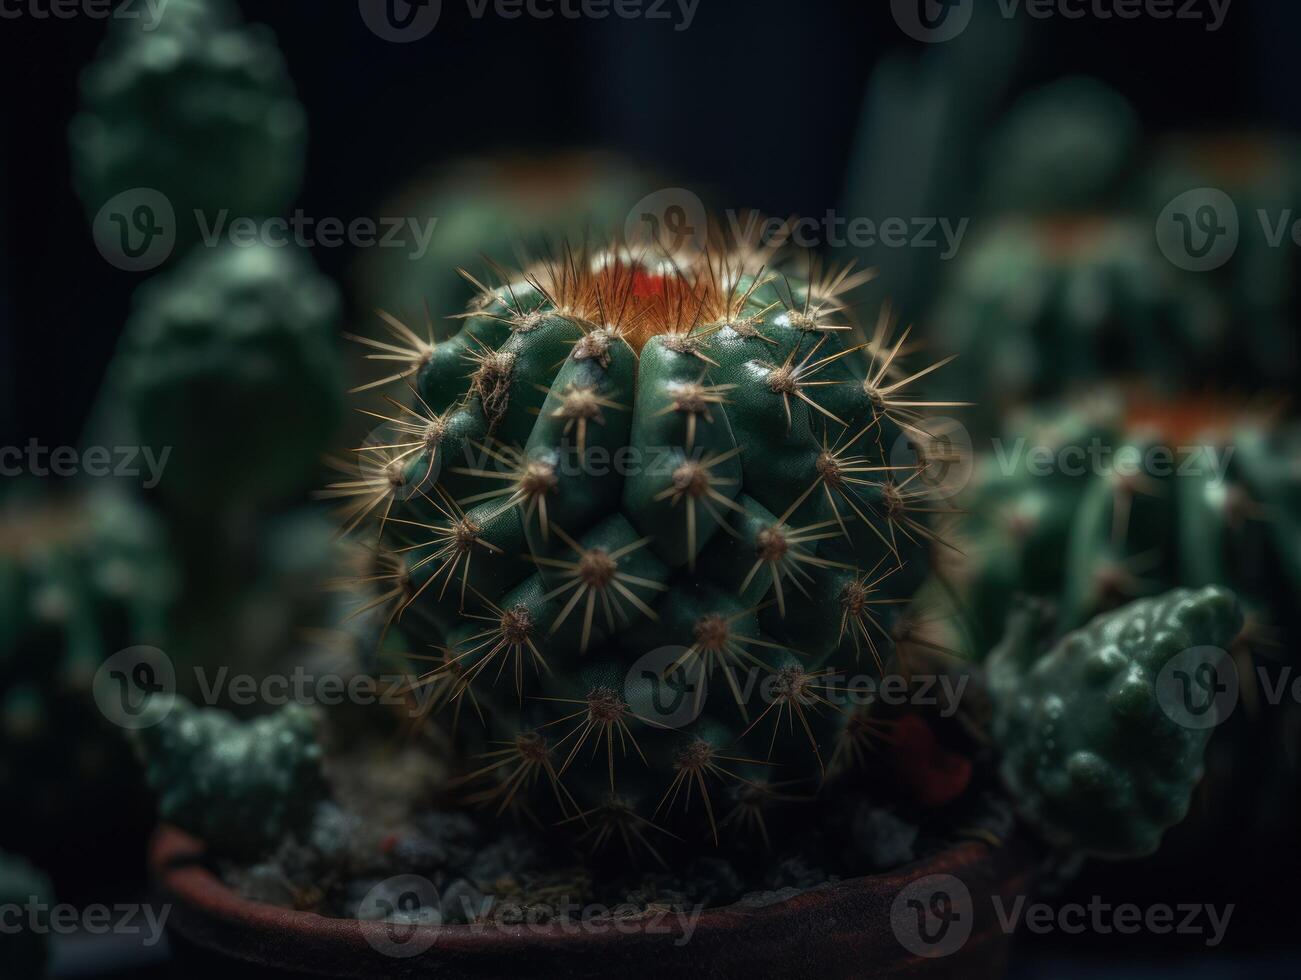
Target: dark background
point(756, 105)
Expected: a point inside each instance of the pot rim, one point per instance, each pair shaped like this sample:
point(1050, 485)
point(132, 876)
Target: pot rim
point(213, 915)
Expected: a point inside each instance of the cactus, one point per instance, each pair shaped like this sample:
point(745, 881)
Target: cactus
point(198, 107)
point(79, 580)
point(1091, 754)
point(1221, 509)
point(1090, 541)
point(1043, 306)
point(1261, 174)
point(242, 786)
point(24, 952)
point(618, 455)
point(1063, 147)
point(202, 369)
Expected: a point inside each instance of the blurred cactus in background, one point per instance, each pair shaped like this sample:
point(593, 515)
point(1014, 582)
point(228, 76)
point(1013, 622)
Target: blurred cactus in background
point(1043, 306)
point(1261, 175)
point(79, 581)
point(199, 107)
point(1106, 500)
point(241, 786)
point(203, 366)
point(496, 206)
point(1064, 147)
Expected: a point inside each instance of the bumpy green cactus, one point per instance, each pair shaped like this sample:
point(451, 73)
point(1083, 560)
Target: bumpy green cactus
point(78, 582)
point(24, 952)
point(197, 106)
point(1109, 499)
point(1091, 753)
point(241, 786)
point(203, 370)
point(1042, 306)
point(618, 455)
point(1061, 147)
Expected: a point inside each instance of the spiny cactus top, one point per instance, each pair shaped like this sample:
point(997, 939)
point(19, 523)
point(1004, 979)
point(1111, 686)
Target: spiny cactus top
point(620, 456)
point(1099, 749)
point(197, 106)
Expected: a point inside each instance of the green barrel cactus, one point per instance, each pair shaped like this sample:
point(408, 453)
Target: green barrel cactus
point(1042, 306)
point(24, 952)
point(242, 786)
point(197, 106)
point(641, 513)
point(1066, 146)
point(492, 206)
point(1096, 756)
point(232, 356)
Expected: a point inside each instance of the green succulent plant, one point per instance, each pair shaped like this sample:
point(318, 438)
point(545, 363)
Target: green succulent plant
point(242, 786)
point(1043, 306)
point(197, 106)
point(1063, 147)
point(1186, 493)
point(1096, 754)
point(79, 581)
point(619, 456)
point(203, 366)
point(1261, 175)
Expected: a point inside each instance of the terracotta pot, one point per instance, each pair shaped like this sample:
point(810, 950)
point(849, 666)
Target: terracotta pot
point(842, 930)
